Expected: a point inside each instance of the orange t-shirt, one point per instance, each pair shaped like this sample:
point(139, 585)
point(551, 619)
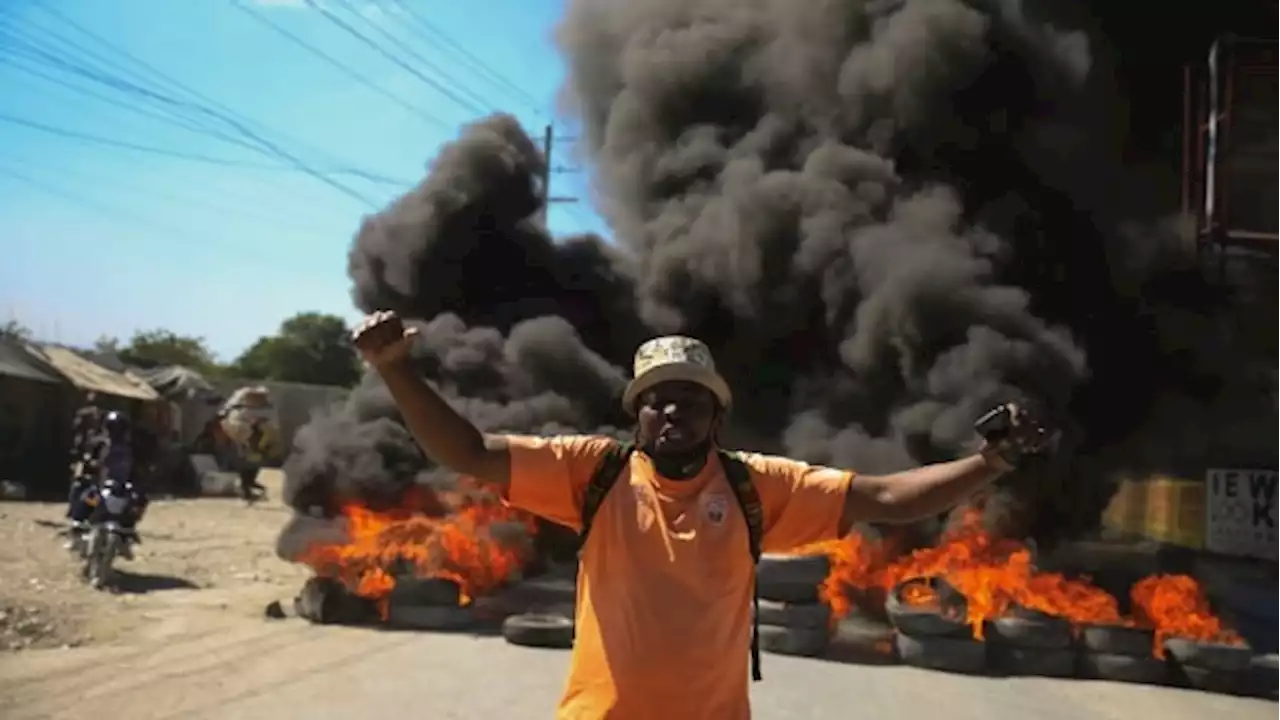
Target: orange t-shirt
point(665, 579)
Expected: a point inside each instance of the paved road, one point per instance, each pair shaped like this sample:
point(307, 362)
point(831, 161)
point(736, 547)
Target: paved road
point(287, 669)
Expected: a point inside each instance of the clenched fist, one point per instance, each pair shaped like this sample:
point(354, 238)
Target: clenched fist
point(382, 339)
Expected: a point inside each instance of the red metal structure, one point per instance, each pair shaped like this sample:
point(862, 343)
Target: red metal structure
point(1229, 155)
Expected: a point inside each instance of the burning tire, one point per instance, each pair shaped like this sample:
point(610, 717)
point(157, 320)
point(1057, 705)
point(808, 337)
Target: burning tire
point(539, 630)
point(425, 591)
point(1209, 655)
point(1029, 642)
point(795, 615)
point(1147, 669)
point(927, 607)
point(791, 578)
point(325, 601)
point(1117, 640)
point(803, 642)
point(950, 654)
point(1030, 629)
point(428, 617)
point(1121, 654)
point(1215, 667)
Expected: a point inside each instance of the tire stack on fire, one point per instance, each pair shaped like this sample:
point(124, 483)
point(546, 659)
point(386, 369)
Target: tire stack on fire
point(1029, 642)
point(793, 619)
point(932, 632)
point(1122, 654)
point(414, 603)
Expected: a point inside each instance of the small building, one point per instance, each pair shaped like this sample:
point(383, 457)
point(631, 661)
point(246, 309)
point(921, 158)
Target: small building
point(34, 426)
point(46, 432)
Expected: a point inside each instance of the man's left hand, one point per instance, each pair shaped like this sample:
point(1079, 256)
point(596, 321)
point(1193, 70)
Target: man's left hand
point(1011, 433)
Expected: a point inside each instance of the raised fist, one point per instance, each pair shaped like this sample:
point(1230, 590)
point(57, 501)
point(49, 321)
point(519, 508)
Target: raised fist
point(382, 339)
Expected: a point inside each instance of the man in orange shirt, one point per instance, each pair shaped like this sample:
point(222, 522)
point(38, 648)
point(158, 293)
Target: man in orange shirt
point(665, 583)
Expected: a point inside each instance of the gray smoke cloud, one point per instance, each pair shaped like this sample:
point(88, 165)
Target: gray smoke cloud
point(883, 215)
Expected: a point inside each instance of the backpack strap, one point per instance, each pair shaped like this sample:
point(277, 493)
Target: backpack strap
point(602, 480)
point(739, 477)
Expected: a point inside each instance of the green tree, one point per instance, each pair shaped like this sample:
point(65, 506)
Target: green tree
point(152, 348)
point(310, 348)
point(14, 330)
point(107, 345)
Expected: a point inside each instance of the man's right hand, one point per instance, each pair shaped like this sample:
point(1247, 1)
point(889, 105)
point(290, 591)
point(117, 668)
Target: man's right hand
point(382, 339)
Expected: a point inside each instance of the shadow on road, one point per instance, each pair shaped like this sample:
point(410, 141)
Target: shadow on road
point(143, 583)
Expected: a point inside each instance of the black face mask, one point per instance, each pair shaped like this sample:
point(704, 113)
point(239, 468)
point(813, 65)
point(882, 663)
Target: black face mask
point(682, 465)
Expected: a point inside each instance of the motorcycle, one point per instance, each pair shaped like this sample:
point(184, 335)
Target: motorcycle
point(110, 536)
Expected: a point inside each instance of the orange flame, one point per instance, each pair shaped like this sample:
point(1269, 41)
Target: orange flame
point(1176, 606)
point(997, 575)
point(429, 536)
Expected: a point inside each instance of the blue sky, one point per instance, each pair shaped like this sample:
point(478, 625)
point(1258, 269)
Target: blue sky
point(104, 240)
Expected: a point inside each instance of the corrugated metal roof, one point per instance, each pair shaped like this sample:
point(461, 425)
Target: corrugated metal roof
point(90, 376)
point(16, 362)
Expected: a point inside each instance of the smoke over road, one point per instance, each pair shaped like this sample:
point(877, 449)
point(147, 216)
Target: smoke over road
point(883, 215)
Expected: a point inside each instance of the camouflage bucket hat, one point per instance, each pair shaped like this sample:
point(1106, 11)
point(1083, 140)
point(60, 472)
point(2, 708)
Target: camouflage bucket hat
point(675, 357)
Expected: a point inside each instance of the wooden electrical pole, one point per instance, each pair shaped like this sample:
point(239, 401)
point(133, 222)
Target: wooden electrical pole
point(548, 145)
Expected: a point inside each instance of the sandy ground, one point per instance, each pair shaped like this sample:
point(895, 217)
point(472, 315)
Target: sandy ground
point(187, 639)
point(199, 560)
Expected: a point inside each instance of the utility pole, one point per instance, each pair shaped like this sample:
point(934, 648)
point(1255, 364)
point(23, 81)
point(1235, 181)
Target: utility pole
point(548, 144)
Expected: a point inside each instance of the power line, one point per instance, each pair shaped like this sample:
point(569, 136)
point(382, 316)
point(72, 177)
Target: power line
point(210, 108)
point(346, 70)
point(207, 197)
point(103, 97)
point(101, 140)
point(477, 65)
point(467, 104)
point(462, 88)
point(177, 121)
point(117, 213)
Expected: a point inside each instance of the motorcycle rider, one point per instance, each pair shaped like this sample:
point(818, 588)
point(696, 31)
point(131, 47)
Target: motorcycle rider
point(116, 476)
point(85, 426)
point(88, 441)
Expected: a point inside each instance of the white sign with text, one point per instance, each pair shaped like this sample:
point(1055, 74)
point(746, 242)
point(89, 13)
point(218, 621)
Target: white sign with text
point(1240, 512)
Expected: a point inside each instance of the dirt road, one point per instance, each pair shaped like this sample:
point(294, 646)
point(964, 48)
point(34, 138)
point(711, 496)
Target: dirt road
point(188, 640)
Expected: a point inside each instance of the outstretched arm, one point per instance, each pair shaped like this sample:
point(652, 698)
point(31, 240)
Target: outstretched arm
point(920, 492)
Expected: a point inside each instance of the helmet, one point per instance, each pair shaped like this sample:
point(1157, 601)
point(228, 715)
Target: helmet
point(116, 424)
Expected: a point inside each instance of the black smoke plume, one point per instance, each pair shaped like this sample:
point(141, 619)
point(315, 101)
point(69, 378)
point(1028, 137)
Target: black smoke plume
point(883, 215)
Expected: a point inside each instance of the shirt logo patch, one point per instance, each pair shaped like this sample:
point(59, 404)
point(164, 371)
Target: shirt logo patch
point(715, 507)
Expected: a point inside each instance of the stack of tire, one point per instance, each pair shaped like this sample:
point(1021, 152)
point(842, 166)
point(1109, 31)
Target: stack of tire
point(1221, 668)
point(934, 635)
point(793, 619)
point(1028, 642)
point(1120, 654)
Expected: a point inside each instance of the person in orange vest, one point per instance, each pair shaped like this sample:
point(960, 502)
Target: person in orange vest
point(666, 583)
